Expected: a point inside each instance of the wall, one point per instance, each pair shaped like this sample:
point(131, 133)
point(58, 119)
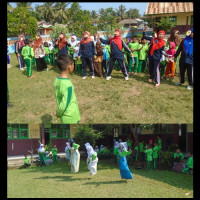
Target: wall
point(60, 144)
point(181, 18)
point(21, 146)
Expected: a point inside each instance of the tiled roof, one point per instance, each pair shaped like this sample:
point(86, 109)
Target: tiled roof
point(169, 7)
point(128, 21)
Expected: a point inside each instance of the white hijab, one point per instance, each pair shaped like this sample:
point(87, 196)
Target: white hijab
point(75, 42)
point(116, 144)
point(123, 147)
point(90, 150)
point(68, 146)
point(41, 149)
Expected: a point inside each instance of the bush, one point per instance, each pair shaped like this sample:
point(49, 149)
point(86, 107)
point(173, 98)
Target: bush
point(167, 158)
point(85, 133)
point(105, 154)
point(172, 147)
point(47, 147)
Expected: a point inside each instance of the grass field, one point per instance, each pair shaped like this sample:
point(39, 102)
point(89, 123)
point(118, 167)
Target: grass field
point(100, 101)
point(57, 182)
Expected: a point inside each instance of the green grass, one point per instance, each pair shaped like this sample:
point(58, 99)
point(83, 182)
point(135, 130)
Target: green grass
point(100, 101)
point(57, 182)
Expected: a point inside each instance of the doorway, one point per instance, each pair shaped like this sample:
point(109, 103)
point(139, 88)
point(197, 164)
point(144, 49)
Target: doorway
point(47, 136)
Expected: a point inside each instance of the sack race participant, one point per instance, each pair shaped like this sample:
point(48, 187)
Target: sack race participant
point(39, 54)
point(18, 48)
point(186, 60)
point(92, 159)
point(86, 54)
point(117, 44)
point(156, 51)
point(41, 152)
point(116, 152)
point(123, 166)
point(98, 61)
point(75, 158)
point(67, 150)
point(51, 53)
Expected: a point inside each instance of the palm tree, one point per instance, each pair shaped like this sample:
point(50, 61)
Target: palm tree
point(37, 12)
point(25, 4)
point(61, 11)
point(48, 12)
point(133, 13)
point(94, 14)
point(121, 12)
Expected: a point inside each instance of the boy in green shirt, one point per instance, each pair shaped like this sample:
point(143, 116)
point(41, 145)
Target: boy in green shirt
point(67, 105)
point(189, 165)
point(134, 46)
point(155, 155)
point(149, 153)
point(26, 161)
point(143, 48)
point(178, 156)
point(26, 53)
point(54, 154)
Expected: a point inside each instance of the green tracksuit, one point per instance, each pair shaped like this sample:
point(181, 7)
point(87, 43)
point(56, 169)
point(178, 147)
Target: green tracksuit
point(79, 65)
point(142, 57)
point(149, 153)
point(54, 154)
point(108, 49)
point(189, 166)
point(26, 162)
point(155, 157)
point(46, 57)
point(33, 57)
point(51, 56)
point(178, 157)
point(159, 144)
point(134, 45)
point(42, 155)
point(67, 105)
point(26, 53)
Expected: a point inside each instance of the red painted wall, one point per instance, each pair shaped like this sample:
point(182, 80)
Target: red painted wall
point(22, 146)
point(60, 144)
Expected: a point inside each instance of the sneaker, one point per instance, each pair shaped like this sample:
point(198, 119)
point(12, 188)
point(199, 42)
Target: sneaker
point(93, 76)
point(84, 77)
point(188, 87)
point(178, 84)
point(22, 69)
point(126, 78)
point(108, 78)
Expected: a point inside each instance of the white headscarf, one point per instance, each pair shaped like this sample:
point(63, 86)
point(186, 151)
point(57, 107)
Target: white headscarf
point(50, 47)
point(116, 145)
point(68, 146)
point(41, 149)
point(90, 150)
point(123, 147)
point(87, 144)
point(75, 42)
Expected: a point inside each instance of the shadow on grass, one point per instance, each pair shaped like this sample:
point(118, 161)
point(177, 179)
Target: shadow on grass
point(106, 182)
point(177, 180)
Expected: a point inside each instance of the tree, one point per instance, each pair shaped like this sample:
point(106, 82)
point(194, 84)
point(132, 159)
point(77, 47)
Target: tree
point(57, 29)
point(164, 24)
point(149, 20)
point(85, 133)
point(9, 8)
point(94, 15)
point(37, 12)
point(25, 4)
point(121, 12)
point(48, 12)
point(133, 13)
point(60, 9)
point(20, 21)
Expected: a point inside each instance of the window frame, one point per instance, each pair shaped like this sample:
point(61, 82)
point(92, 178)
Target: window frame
point(57, 129)
point(9, 126)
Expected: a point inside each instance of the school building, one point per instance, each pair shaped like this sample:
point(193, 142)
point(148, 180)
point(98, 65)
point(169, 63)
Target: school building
point(181, 13)
point(22, 138)
point(180, 134)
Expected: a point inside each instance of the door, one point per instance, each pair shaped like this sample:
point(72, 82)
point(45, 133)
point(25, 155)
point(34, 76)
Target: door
point(47, 136)
point(182, 138)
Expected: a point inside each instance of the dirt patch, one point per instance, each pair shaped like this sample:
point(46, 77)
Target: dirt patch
point(132, 92)
point(29, 115)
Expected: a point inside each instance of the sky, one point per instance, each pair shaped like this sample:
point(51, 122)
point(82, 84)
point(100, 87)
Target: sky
point(96, 6)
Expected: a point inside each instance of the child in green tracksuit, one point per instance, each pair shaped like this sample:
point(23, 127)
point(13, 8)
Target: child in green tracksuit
point(54, 154)
point(143, 48)
point(26, 161)
point(149, 153)
point(67, 105)
point(51, 54)
point(155, 155)
point(46, 50)
point(189, 165)
point(134, 46)
point(26, 53)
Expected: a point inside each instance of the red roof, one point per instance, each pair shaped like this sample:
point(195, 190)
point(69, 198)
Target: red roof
point(168, 7)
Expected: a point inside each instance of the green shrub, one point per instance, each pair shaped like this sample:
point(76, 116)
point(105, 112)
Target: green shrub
point(167, 158)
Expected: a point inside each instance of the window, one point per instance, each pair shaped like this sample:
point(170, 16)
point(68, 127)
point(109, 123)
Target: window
point(191, 22)
point(163, 129)
point(60, 131)
point(53, 133)
point(173, 19)
point(17, 131)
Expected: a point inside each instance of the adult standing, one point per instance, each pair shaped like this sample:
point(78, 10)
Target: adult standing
point(186, 59)
point(39, 53)
point(92, 159)
point(18, 48)
point(156, 49)
point(86, 53)
point(41, 152)
point(117, 44)
point(75, 158)
point(62, 44)
point(174, 37)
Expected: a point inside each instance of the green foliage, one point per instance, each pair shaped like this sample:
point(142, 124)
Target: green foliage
point(85, 133)
point(121, 12)
point(48, 12)
point(149, 20)
point(172, 147)
point(57, 29)
point(165, 24)
point(61, 12)
point(167, 158)
point(105, 154)
point(132, 13)
point(48, 147)
point(20, 21)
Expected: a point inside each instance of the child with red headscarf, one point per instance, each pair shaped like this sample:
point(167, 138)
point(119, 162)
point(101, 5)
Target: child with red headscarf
point(156, 50)
point(170, 61)
point(86, 52)
point(18, 48)
point(117, 45)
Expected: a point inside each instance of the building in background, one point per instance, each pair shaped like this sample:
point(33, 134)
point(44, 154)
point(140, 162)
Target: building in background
point(179, 12)
point(22, 138)
point(132, 23)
